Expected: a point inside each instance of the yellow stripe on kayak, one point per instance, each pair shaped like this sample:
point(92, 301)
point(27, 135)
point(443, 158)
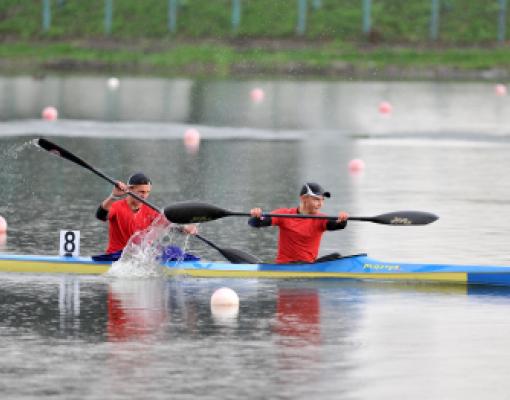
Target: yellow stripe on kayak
point(98, 269)
point(457, 277)
point(52, 267)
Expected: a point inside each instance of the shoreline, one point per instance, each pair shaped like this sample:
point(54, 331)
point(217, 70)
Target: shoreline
point(259, 58)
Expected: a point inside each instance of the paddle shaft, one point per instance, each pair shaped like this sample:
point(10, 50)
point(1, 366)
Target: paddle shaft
point(300, 216)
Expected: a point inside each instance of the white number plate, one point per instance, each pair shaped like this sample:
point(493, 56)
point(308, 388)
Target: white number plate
point(69, 243)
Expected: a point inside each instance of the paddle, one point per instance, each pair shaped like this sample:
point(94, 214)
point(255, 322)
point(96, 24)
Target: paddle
point(235, 256)
point(195, 212)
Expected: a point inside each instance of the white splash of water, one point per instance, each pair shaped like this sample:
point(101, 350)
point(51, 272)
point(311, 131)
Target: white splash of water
point(14, 151)
point(141, 258)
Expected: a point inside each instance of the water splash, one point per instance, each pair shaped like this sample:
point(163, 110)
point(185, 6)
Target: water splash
point(14, 151)
point(141, 258)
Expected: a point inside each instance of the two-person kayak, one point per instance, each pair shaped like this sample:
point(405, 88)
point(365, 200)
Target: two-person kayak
point(360, 267)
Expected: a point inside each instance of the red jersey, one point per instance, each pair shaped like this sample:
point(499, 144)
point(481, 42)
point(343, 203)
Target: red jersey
point(298, 239)
point(124, 222)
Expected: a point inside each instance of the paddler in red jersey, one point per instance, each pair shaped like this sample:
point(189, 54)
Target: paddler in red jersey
point(299, 239)
point(126, 215)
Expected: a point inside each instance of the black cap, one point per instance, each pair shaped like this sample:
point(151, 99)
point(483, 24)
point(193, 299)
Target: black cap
point(313, 189)
point(138, 178)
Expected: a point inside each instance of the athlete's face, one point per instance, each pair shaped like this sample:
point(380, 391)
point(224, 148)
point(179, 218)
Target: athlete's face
point(141, 190)
point(311, 204)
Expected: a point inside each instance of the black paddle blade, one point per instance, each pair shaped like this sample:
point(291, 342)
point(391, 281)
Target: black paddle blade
point(60, 152)
point(406, 218)
point(236, 256)
point(193, 212)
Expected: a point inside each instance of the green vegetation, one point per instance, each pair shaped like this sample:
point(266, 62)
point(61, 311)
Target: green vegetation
point(266, 42)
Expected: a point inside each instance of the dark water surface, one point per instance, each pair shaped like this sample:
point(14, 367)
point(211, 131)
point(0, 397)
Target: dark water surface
point(96, 337)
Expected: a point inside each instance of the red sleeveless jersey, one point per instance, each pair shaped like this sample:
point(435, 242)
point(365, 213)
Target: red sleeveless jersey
point(298, 239)
point(124, 222)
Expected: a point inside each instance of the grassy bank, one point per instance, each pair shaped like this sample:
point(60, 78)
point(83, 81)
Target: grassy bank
point(265, 42)
point(249, 58)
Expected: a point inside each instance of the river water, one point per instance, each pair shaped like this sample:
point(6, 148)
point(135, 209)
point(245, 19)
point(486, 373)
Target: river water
point(444, 149)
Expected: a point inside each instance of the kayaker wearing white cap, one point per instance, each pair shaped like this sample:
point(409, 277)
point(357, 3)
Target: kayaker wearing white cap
point(299, 239)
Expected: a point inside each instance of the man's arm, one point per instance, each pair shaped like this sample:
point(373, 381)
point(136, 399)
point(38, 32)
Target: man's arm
point(335, 225)
point(257, 221)
point(340, 223)
point(260, 222)
point(101, 213)
point(118, 193)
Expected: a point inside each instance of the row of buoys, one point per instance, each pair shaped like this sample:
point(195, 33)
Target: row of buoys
point(385, 107)
point(191, 139)
point(257, 95)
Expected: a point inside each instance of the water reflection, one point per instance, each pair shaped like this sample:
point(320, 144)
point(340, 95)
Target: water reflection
point(148, 336)
point(137, 309)
point(69, 304)
point(298, 313)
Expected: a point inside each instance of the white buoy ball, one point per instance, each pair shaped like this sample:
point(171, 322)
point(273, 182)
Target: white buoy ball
point(113, 83)
point(224, 297)
point(3, 225)
point(49, 113)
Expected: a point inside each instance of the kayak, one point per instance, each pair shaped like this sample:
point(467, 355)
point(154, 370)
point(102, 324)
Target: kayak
point(359, 266)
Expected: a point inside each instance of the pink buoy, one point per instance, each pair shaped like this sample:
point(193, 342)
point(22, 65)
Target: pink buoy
point(3, 225)
point(257, 95)
point(3, 239)
point(49, 113)
point(356, 165)
point(500, 89)
point(192, 140)
point(385, 108)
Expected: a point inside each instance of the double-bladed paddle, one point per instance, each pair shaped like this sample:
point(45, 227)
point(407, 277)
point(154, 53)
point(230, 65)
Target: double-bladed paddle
point(235, 256)
point(195, 212)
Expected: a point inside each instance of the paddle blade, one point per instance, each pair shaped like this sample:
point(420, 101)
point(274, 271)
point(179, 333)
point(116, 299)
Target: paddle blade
point(193, 212)
point(405, 218)
point(236, 256)
point(60, 152)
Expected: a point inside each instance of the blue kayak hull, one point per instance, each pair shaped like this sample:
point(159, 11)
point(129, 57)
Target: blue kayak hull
point(351, 267)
